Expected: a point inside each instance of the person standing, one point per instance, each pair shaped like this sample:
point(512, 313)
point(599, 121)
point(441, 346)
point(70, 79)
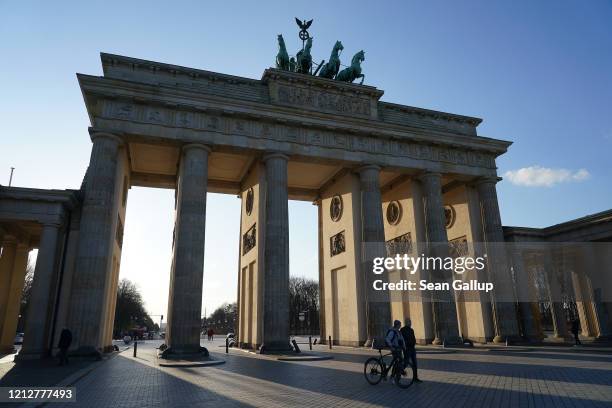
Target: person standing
point(64, 344)
point(575, 329)
point(410, 348)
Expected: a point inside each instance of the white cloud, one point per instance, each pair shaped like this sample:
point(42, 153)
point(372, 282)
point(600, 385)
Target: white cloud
point(536, 176)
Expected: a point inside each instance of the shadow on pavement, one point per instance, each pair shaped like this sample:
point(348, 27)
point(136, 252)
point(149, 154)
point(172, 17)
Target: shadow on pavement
point(352, 385)
point(37, 373)
point(535, 371)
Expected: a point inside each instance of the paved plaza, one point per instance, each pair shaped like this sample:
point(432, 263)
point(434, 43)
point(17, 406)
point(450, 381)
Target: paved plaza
point(525, 377)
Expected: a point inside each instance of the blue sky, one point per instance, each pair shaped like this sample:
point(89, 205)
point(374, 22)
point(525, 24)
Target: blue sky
point(538, 72)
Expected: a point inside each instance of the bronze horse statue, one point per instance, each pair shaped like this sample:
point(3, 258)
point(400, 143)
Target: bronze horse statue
point(282, 58)
point(354, 71)
point(331, 68)
point(304, 59)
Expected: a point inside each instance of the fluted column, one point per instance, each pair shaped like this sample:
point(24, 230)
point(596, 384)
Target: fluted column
point(276, 255)
point(37, 324)
point(10, 314)
point(504, 316)
point(553, 291)
point(9, 249)
point(96, 239)
point(378, 311)
point(186, 280)
point(322, 326)
point(446, 328)
point(525, 293)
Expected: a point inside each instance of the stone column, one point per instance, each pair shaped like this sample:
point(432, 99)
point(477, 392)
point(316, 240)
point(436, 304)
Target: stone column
point(6, 269)
point(378, 306)
point(504, 316)
point(186, 279)
point(446, 328)
point(37, 324)
point(13, 299)
point(96, 240)
point(526, 296)
point(554, 296)
point(322, 327)
point(276, 255)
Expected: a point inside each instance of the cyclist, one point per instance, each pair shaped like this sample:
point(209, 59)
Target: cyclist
point(395, 341)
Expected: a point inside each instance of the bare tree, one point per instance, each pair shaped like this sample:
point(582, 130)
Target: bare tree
point(303, 299)
point(130, 311)
point(25, 296)
point(223, 319)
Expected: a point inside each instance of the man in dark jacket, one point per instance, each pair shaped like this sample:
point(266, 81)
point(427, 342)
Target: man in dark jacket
point(575, 330)
point(409, 348)
point(64, 345)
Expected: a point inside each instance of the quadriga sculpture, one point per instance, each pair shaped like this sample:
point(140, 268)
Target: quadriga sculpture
point(331, 68)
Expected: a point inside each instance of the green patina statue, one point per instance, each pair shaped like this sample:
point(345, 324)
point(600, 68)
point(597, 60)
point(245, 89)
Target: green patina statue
point(331, 68)
point(302, 63)
point(282, 58)
point(354, 71)
point(304, 59)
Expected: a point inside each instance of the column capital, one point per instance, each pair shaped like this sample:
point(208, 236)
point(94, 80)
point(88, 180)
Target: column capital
point(274, 155)
point(189, 146)
point(9, 239)
point(51, 224)
point(95, 134)
point(427, 175)
point(486, 180)
point(24, 247)
point(366, 167)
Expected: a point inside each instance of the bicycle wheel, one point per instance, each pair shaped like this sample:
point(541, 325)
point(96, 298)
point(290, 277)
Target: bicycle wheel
point(403, 378)
point(373, 370)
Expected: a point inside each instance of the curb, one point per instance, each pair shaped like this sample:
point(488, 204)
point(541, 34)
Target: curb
point(185, 363)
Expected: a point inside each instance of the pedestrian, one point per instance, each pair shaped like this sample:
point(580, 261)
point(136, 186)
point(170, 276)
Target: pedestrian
point(64, 344)
point(395, 342)
point(575, 329)
point(211, 334)
point(410, 348)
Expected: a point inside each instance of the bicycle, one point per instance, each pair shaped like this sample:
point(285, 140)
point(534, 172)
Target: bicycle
point(376, 369)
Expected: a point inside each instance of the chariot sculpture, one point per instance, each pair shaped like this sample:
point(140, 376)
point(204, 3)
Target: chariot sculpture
point(302, 62)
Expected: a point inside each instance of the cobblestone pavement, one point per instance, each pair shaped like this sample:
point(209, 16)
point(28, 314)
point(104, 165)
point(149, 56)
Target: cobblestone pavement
point(41, 373)
point(524, 377)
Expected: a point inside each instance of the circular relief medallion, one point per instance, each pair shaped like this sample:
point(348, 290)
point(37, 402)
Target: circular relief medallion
point(250, 196)
point(394, 212)
point(449, 216)
point(335, 208)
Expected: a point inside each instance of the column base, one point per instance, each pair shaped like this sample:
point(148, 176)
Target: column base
point(509, 339)
point(86, 352)
point(535, 338)
point(7, 350)
point(276, 348)
point(479, 340)
point(191, 353)
point(451, 340)
point(32, 355)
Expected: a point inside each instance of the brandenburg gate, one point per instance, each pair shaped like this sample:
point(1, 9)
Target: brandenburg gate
point(379, 172)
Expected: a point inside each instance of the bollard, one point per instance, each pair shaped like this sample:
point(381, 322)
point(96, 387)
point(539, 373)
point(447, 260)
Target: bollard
point(295, 346)
point(315, 342)
point(330, 343)
point(226, 345)
point(135, 347)
point(310, 342)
